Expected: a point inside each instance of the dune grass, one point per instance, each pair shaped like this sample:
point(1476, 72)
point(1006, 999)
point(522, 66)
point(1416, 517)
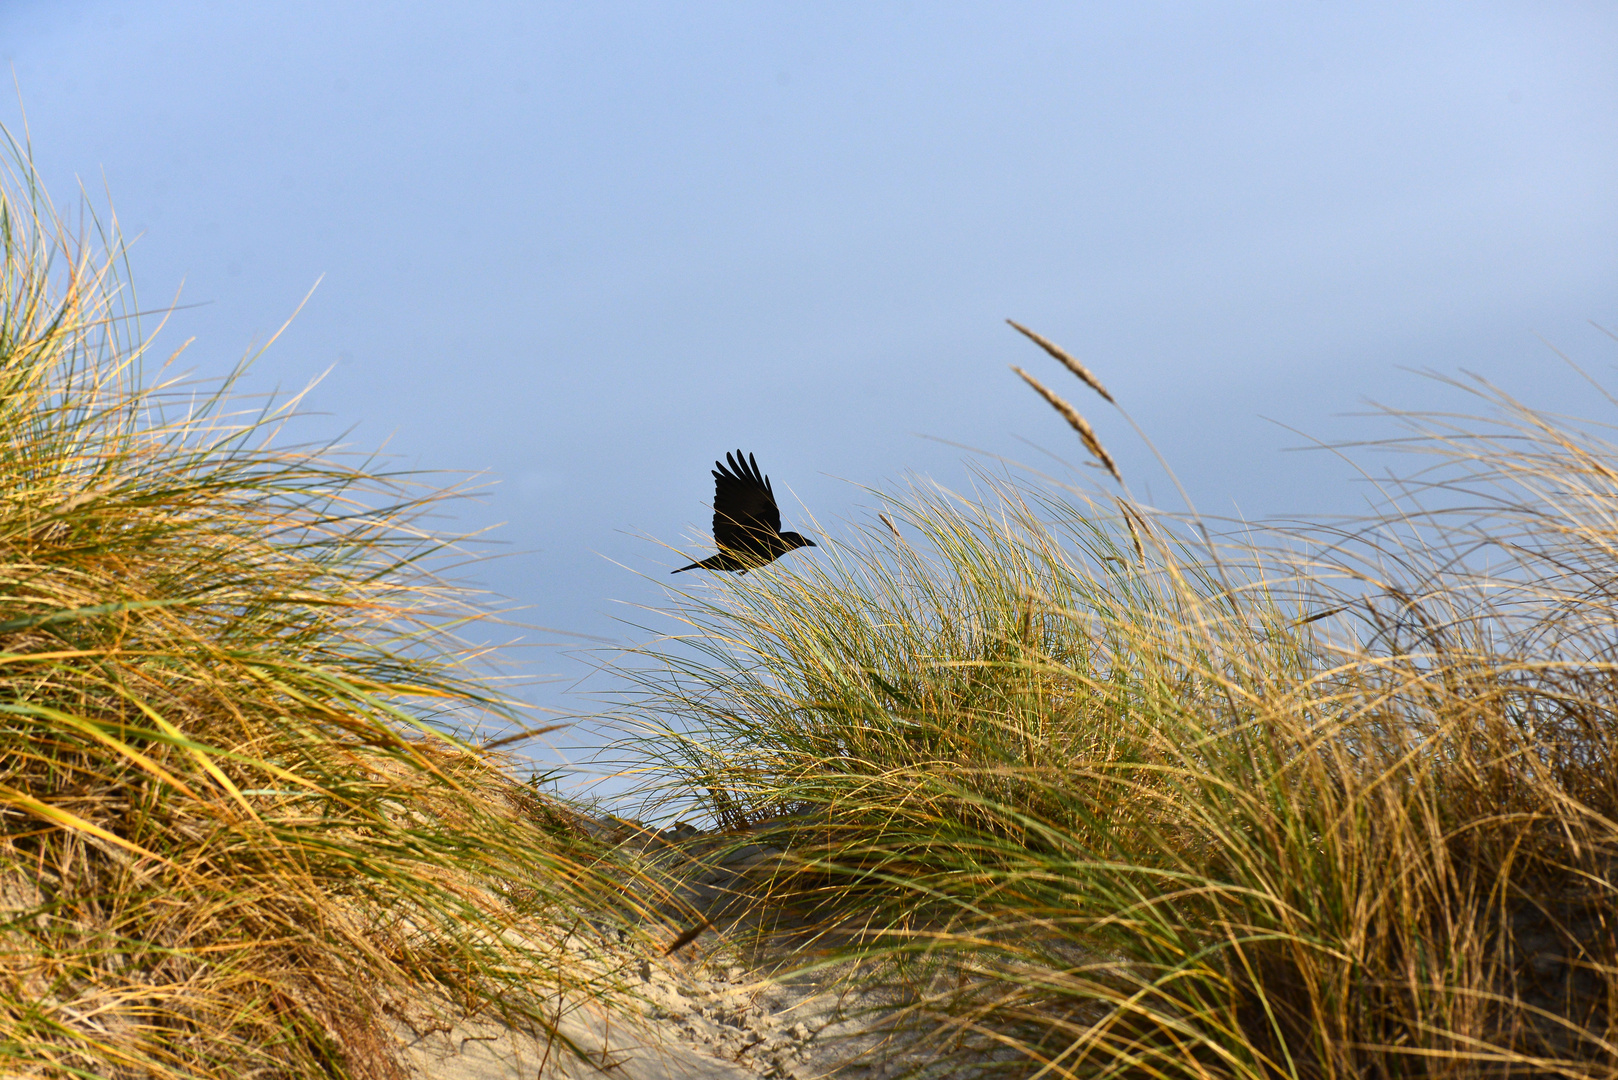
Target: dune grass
point(242, 831)
point(1093, 794)
point(1111, 800)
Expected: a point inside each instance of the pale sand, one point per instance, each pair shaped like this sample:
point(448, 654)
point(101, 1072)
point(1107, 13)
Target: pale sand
point(702, 1014)
point(695, 1023)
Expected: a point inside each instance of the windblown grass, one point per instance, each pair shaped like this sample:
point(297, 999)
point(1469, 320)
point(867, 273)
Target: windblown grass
point(1337, 802)
point(240, 831)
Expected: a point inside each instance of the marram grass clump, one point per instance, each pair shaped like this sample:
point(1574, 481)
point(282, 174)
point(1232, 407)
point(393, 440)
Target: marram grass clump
point(238, 833)
point(1105, 798)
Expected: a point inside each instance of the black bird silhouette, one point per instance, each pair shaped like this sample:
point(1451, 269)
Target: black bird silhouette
point(746, 521)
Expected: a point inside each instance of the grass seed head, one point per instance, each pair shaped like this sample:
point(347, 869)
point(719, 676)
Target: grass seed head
point(1077, 422)
point(1067, 360)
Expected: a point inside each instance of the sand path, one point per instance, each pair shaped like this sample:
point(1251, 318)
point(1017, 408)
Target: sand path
point(703, 1013)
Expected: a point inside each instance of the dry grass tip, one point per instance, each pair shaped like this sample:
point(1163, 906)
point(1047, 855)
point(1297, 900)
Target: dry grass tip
point(1066, 359)
point(1079, 424)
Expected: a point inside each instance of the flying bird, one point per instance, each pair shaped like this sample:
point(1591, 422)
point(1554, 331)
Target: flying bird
point(746, 521)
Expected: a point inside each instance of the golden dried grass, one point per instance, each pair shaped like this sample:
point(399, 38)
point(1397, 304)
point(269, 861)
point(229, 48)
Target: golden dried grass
point(1333, 803)
point(241, 832)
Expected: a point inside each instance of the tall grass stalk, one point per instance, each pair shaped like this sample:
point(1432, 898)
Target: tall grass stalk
point(1337, 802)
point(241, 831)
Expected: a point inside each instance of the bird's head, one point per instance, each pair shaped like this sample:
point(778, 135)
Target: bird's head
point(797, 540)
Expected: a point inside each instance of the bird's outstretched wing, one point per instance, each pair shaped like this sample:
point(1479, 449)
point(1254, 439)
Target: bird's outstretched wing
point(744, 510)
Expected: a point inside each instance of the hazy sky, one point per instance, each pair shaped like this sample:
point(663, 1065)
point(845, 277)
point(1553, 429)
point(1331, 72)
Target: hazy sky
point(587, 248)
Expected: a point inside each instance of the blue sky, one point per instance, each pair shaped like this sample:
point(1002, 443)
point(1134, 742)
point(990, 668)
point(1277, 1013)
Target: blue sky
point(587, 248)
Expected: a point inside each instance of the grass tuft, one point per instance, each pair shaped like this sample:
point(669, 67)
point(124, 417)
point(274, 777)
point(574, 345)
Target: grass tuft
point(241, 831)
point(1108, 801)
